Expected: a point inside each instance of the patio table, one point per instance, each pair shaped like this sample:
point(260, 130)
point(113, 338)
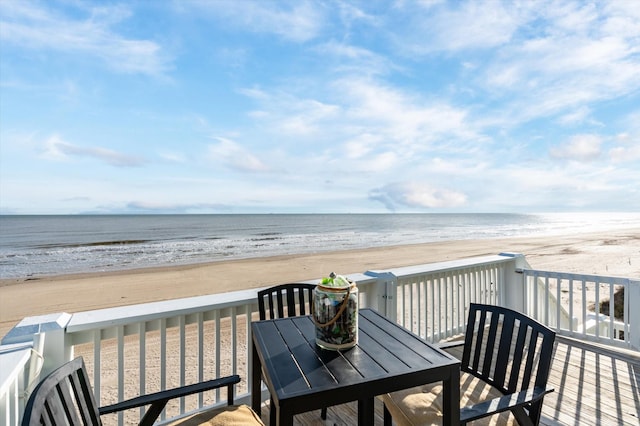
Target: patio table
point(302, 377)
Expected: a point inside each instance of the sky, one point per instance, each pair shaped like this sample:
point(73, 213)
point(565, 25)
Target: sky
point(325, 106)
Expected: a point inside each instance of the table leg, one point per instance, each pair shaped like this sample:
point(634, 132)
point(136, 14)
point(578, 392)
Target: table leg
point(272, 412)
point(365, 412)
point(256, 384)
point(284, 418)
point(451, 394)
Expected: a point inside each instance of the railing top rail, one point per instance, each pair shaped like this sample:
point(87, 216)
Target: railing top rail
point(578, 277)
point(448, 265)
point(122, 315)
point(13, 358)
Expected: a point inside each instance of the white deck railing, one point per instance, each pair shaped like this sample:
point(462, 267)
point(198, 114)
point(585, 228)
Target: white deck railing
point(13, 366)
point(432, 300)
point(579, 313)
point(138, 349)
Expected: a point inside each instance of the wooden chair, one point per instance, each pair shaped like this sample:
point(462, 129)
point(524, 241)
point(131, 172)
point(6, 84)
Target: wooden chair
point(504, 370)
point(294, 297)
point(65, 397)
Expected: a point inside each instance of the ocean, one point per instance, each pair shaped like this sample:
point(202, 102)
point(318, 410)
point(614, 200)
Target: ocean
point(33, 246)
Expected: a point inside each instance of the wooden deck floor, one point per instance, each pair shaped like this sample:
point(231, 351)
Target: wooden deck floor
point(593, 386)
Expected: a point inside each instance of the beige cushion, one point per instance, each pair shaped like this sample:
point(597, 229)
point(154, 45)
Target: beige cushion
point(233, 415)
point(422, 405)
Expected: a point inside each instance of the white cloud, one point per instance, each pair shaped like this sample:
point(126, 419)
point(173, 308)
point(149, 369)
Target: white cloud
point(354, 59)
point(622, 18)
point(375, 126)
point(626, 148)
point(632, 122)
point(296, 21)
point(235, 156)
point(31, 27)
point(541, 186)
point(416, 195)
point(372, 126)
point(579, 148)
point(146, 206)
point(285, 113)
point(173, 157)
point(579, 115)
point(454, 26)
point(305, 117)
point(621, 154)
point(361, 145)
point(404, 120)
point(575, 17)
point(574, 60)
point(58, 149)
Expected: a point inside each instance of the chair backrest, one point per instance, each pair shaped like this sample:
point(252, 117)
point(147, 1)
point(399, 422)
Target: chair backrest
point(507, 349)
point(63, 397)
point(285, 300)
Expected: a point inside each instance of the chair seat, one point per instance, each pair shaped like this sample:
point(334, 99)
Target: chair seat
point(233, 415)
point(422, 405)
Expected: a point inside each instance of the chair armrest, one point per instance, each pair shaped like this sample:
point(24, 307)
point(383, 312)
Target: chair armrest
point(452, 344)
point(158, 400)
point(503, 403)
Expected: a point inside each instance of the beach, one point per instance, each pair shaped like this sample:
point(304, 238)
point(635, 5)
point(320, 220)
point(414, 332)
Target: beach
point(613, 253)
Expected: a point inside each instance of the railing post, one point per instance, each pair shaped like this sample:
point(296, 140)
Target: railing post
point(634, 314)
point(512, 292)
point(55, 350)
point(383, 299)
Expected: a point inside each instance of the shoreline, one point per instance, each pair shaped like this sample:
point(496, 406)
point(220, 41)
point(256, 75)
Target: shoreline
point(609, 253)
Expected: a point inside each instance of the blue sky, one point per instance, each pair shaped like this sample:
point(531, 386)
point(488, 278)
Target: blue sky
point(319, 106)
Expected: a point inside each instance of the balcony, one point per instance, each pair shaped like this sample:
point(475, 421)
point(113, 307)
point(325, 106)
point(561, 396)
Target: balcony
point(143, 348)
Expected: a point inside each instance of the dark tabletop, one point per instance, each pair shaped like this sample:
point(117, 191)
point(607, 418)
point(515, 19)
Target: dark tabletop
point(303, 377)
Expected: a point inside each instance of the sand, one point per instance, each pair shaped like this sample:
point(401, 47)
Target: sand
point(614, 253)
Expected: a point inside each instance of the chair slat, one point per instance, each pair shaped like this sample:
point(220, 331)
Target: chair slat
point(291, 302)
point(504, 350)
point(466, 351)
point(516, 365)
point(544, 366)
point(68, 400)
point(302, 302)
point(528, 370)
point(489, 347)
point(84, 398)
point(479, 341)
point(56, 405)
point(280, 304)
point(46, 417)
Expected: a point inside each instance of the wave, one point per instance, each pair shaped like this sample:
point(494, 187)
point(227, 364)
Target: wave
point(92, 244)
point(50, 246)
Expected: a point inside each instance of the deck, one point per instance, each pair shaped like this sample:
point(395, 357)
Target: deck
point(593, 386)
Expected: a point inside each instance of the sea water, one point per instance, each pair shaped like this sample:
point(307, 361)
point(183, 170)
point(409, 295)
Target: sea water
point(32, 246)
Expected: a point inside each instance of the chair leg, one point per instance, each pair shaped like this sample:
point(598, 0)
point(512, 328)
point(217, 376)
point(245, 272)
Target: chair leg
point(272, 412)
point(387, 416)
point(323, 413)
